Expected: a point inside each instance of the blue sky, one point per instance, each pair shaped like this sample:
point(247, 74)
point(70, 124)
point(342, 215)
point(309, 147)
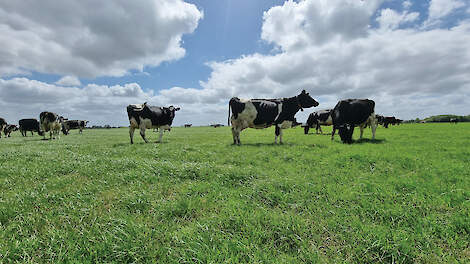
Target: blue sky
point(409, 56)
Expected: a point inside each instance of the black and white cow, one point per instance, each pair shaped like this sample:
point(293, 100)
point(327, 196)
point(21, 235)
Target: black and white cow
point(188, 125)
point(350, 113)
point(3, 124)
point(454, 120)
point(30, 124)
point(318, 118)
point(143, 116)
point(52, 123)
point(263, 113)
point(8, 129)
point(68, 125)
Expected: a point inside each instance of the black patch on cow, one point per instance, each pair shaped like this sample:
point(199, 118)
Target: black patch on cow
point(267, 111)
point(237, 107)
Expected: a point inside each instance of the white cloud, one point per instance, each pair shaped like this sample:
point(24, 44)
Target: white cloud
point(390, 19)
point(69, 81)
point(89, 38)
point(438, 9)
point(407, 4)
point(409, 70)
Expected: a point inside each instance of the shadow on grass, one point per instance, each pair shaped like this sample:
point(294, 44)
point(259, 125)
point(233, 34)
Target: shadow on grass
point(367, 140)
point(263, 144)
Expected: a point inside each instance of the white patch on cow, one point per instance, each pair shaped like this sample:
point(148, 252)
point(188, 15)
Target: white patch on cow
point(372, 121)
point(286, 124)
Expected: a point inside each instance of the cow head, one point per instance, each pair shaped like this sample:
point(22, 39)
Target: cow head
point(345, 133)
point(305, 100)
point(173, 110)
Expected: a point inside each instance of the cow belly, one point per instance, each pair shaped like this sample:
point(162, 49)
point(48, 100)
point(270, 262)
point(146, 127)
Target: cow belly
point(247, 117)
point(286, 124)
point(327, 122)
point(147, 123)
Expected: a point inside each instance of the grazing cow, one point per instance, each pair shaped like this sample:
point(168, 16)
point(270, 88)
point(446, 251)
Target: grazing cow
point(389, 120)
point(322, 117)
point(30, 124)
point(263, 113)
point(143, 116)
point(216, 125)
point(3, 124)
point(454, 120)
point(52, 123)
point(8, 129)
point(67, 125)
point(188, 125)
point(350, 113)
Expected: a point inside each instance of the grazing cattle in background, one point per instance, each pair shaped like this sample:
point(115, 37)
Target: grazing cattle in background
point(350, 113)
point(454, 120)
point(3, 124)
point(263, 113)
point(8, 129)
point(30, 124)
point(380, 119)
point(143, 116)
point(188, 125)
point(52, 123)
point(216, 125)
point(68, 125)
point(389, 120)
point(318, 118)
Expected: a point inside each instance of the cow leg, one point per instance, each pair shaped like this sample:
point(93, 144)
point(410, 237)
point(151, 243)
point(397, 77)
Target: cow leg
point(234, 135)
point(306, 128)
point(142, 133)
point(319, 127)
point(361, 127)
point(160, 136)
point(277, 133)
point(373, 126)
point(280, 136)
point(131, 133)
point(333, 133)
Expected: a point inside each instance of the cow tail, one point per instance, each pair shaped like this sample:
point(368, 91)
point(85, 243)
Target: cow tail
point(228, 119)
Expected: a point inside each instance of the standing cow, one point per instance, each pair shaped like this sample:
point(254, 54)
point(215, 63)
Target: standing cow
point(143, 116)
point(52, 123)
point(30, 124)
point(263, 113)
point(318, 118)
point(68, 125)
point(8, 129)
point(3, 124)
point(350, 113)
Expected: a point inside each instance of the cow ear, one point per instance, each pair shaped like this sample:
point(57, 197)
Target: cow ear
point(177, 108)
point(304, 92)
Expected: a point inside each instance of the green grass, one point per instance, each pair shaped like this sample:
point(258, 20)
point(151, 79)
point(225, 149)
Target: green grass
point(403, 198)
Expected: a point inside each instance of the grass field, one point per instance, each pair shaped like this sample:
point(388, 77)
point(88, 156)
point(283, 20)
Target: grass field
point(403, 198)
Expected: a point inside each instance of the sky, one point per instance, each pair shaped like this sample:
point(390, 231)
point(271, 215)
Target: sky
point(87, 59)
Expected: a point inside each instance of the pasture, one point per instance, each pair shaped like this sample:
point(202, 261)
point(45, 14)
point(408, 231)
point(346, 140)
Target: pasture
point(196, 198)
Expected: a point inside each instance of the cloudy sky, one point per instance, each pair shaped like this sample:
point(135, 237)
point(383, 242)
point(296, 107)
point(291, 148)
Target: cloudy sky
point(87, 59)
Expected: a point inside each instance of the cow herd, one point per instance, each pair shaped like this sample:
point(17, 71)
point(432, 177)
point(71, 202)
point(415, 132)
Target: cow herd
point(48, 122)
point(243, 113)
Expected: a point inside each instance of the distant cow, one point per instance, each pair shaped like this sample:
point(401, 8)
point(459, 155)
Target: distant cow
point(68, 125)
point(263, 113)
point(318, 118)
point(454, 120)
point(389, 120)
point(188, 125)
point(143, 116)
point(350, 113)
point(3, 124)
point(30, 124)
point(216, 125)
point(8, 129)
point(52, 123)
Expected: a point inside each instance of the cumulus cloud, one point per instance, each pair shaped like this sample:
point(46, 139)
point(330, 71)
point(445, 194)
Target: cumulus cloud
point(88, 38)
point(328, 48)
point(442, 8)
point(69, 81)
point(408, 70)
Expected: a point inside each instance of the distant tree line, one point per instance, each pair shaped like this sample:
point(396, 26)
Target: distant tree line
point(440, 119)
